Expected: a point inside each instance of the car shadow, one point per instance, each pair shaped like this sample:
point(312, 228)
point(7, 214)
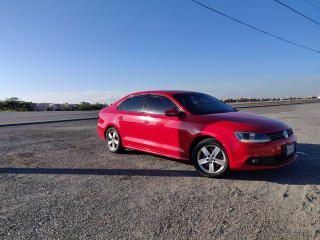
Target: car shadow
point(106, 172)
point(305, 170)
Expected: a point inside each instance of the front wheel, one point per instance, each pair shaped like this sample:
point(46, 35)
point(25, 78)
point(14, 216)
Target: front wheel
point(210, 158)
point(113, 140)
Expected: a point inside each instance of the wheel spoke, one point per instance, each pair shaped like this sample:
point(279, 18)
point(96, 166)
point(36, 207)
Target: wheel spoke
point(211, 167)
point(116, 142)
point(110, 136)
point(205, 151)
point(203, 161)
point(109, 143)
point(220, 162)
point(215, 152)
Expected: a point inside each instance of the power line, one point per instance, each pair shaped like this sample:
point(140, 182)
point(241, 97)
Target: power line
point(257, 29)
point(312, 5)
point(297, 12)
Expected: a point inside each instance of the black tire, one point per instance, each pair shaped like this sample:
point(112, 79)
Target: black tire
point(113, 140)
point(210, 159)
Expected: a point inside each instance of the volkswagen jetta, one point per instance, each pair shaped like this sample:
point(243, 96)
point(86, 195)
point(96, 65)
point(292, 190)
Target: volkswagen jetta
point(199, 128)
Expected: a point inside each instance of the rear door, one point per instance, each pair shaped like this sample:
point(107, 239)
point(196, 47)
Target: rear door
point(131, 121)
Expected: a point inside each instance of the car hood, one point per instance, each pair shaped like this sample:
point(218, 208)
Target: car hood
point(243, 121)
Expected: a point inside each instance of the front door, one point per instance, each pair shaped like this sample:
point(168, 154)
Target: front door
point(163, 134)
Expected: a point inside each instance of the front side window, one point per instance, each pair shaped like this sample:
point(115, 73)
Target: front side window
point(133, 104)
point(159, 104)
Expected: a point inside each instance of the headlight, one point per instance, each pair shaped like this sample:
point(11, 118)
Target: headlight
point(249, 137)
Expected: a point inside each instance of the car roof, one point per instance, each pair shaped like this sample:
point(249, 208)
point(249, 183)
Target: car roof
point(164, 92)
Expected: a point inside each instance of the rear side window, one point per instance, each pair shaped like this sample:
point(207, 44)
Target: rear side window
point(121, 105)
point(133, 104)
point(159, 104)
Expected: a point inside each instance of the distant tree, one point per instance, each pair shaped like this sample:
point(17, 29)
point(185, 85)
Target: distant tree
point(97, 106)
point(84, 106)
point(14, 104)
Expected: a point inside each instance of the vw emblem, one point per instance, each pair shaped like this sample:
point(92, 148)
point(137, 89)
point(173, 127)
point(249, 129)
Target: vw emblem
point(285, 134)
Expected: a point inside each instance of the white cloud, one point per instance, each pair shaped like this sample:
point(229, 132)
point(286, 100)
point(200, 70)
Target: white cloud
point(72, 97)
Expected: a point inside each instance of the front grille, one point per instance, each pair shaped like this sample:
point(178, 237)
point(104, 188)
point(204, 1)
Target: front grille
point(279, 135)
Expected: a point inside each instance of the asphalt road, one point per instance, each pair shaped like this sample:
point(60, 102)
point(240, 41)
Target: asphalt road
point(57, 181)
point(14, 118)
point(272, 103)
point(25, 118)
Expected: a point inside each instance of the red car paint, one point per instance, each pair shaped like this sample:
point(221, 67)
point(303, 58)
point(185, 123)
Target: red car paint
point(175, 137)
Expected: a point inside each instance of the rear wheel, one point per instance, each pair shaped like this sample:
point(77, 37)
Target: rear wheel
point(113, 140)
point(210, 158)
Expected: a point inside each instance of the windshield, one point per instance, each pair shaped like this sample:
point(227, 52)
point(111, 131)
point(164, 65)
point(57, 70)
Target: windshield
point(199, 103)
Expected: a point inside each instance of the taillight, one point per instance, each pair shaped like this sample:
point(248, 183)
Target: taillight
point(100, 120)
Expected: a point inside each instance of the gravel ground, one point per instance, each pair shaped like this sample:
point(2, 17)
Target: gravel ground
point(57, 181)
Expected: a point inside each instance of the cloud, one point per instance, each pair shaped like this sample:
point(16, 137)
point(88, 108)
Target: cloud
point(72, 97)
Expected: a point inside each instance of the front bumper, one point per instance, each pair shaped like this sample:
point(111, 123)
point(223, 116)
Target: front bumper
point(254, 156)
point(272, 160)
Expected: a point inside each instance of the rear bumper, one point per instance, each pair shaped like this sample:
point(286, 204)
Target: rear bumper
point(101, 129)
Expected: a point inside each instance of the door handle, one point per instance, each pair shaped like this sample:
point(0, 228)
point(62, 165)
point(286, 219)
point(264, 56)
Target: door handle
point(120, 118)
point(146, 121)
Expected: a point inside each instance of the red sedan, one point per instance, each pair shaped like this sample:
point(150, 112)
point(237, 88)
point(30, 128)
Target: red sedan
point(199, 128)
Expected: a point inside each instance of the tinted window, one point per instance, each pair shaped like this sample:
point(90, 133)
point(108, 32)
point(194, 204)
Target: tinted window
point(134, 104)
point(158, 104)
point(199, 103)
point(121, 105)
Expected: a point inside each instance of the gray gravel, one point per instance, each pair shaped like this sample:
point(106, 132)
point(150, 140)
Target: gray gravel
point(57, 181)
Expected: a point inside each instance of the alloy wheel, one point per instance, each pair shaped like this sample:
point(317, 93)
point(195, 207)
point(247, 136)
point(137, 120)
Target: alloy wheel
point(211, 159)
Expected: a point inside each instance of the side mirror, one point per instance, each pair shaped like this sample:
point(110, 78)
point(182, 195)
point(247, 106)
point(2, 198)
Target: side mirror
point(173, 112)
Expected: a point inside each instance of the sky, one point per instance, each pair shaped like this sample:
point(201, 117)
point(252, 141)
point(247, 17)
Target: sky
point(98, 51)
